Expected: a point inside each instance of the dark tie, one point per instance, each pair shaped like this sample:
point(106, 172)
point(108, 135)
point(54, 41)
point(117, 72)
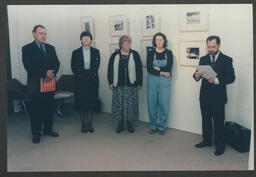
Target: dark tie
point(42, 49)
point(213, 60)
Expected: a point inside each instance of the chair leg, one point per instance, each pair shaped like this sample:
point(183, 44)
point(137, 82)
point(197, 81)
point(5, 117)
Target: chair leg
point(25, 108)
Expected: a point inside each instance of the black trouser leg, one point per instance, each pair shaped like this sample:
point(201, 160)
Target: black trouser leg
point(36, 117)
point(207, 129)
point(219, 117)
point(49, 108)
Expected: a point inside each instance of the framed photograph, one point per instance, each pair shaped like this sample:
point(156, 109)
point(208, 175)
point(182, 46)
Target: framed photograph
point(146, 46)
point(193, 20)
point(150, 24)
point(113, 47)
point(118, 25)
point(190, 52)
point(87, 24)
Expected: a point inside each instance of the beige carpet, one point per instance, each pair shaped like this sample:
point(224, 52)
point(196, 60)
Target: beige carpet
point(105, 150)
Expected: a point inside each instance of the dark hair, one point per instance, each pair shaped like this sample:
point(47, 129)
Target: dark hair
point(85, 33)
point(124, 39)
point(37, 26)
point(210, 38)
point(163, 36)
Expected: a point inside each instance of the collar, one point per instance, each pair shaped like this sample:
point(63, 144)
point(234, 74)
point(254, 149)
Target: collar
point(38, 44)
point(216, 56)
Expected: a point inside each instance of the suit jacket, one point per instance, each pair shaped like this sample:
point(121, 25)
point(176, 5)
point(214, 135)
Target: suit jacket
point(83, 76)
point(36, 64)
point(212, 93)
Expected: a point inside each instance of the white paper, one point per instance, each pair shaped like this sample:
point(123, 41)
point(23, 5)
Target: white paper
point(207, 71)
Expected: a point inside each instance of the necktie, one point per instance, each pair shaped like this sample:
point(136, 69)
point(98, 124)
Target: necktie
point(42, 49)
point(213, 60)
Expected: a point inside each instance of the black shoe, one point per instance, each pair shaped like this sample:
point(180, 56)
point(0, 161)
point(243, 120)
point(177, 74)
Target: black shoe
point(84, 127)
point(161, 132)
point(203, 144)
point(120, 126)
point(51, 133)
point(130, 126)
point(36, 139)
point(152, 131)
point(90, 128)
point(219, 151)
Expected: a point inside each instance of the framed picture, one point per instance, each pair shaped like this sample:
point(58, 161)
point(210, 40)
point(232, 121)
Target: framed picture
point(113, 47)
point(193, 19)
point(118, 25)
point(190, 52)
point(150, 24)
point(87, 24)
point(146, 46)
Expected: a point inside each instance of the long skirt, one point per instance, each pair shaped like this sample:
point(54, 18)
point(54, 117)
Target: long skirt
point(125, 103)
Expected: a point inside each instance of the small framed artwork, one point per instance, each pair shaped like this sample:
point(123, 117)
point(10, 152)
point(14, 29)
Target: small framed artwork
point(113, 47)
point(87, 24)
point(118, 25)
point(146, 46)
point(193, 19)
point(190, 52)
point(150, 24)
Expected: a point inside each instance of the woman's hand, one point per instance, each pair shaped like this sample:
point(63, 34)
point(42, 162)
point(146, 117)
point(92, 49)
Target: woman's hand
point(165, 74)
point(111, 87)
point(157, 68)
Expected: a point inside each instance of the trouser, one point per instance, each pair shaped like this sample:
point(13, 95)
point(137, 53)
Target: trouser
point(42, 112)
point(158, 93)
point(215, 112)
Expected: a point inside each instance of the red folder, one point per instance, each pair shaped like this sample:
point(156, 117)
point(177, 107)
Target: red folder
point(48, 86)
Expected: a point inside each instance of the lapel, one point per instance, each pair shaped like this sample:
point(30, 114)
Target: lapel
point(92, 61)
point(81, 56)
point(208, 60)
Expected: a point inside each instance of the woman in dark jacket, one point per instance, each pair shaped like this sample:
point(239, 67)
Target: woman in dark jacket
point(159, 66)
point(125, 78)
point(85, 63)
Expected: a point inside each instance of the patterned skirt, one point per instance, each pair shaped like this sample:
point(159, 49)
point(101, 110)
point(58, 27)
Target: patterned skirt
point(125, 103)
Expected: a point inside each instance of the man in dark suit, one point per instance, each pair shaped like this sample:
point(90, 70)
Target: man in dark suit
point(40, 61)
point(213, 94)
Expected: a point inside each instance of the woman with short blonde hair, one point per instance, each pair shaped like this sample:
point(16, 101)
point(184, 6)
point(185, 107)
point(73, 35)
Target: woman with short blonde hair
point(125, 78)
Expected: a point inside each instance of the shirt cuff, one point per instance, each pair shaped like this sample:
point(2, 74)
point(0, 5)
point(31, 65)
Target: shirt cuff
point(197, 78)
point(216, 82)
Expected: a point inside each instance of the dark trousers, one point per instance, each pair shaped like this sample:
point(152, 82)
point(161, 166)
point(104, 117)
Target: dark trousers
point(42, 112)
point(213, 115)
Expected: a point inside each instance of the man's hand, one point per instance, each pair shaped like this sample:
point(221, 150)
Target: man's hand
point(211, 80)
point(139, 87)
point(49, 75)
point(111, 87)
point(198, 75)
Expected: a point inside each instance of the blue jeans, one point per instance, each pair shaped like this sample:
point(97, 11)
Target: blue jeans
point(158, 93)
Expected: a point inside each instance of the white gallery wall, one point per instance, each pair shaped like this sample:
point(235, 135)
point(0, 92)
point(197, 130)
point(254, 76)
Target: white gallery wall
point(233, 23)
